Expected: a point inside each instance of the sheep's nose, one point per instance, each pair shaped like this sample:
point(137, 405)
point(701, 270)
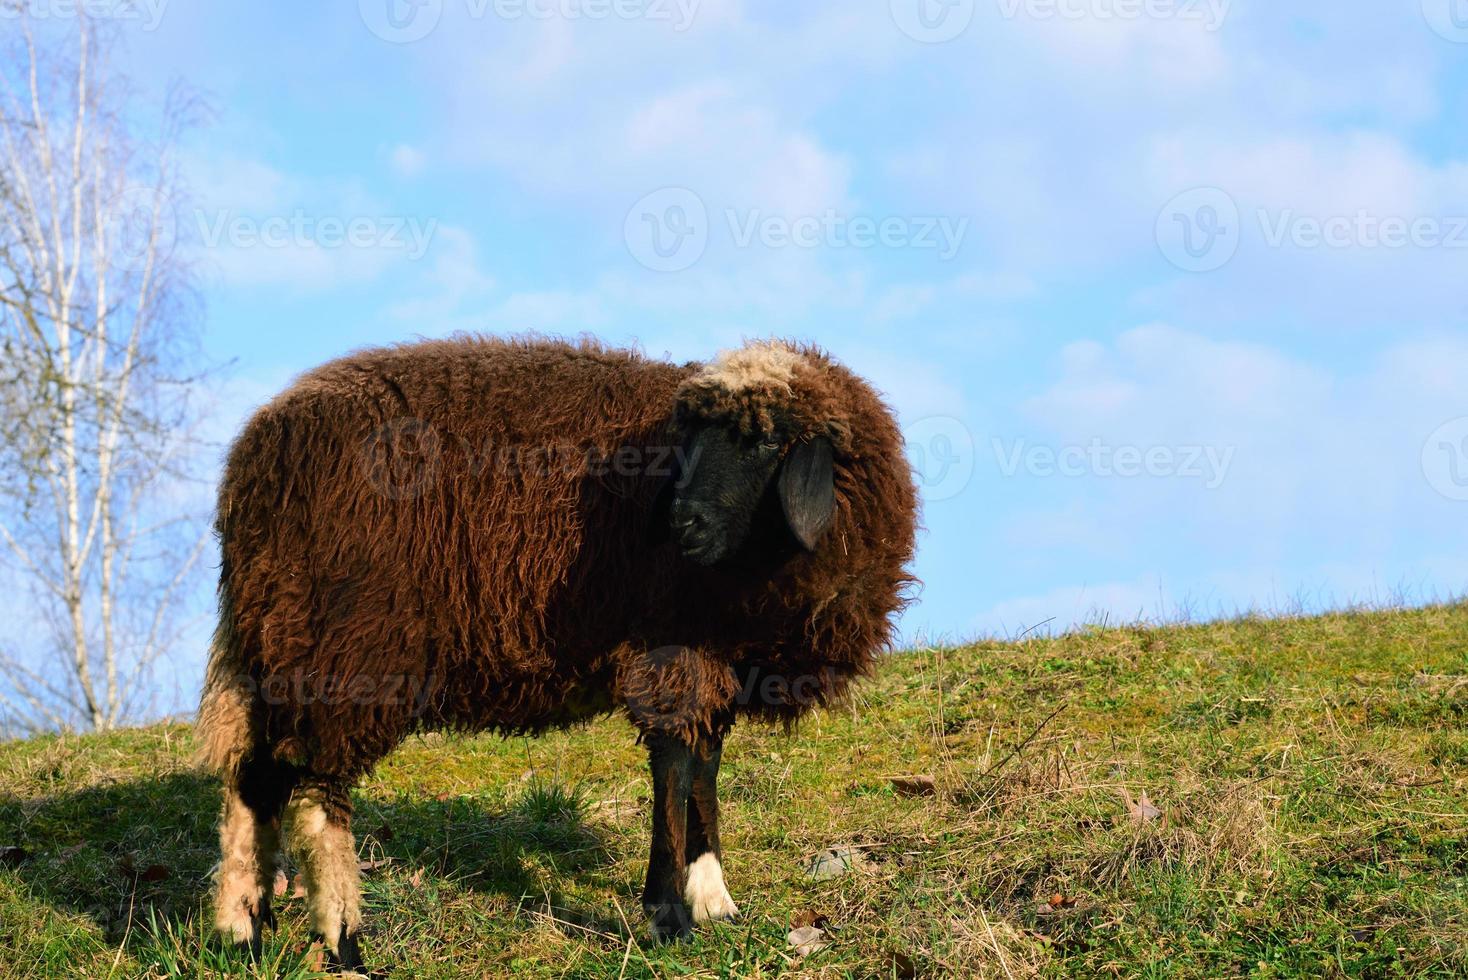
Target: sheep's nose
point(690, 516)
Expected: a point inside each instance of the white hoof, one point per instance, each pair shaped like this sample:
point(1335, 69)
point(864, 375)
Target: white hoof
point(705, 893)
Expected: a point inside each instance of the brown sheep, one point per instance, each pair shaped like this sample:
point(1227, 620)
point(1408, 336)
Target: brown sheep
point(518, 535)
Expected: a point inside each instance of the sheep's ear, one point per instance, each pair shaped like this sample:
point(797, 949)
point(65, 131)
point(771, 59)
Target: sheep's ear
point(808, 490)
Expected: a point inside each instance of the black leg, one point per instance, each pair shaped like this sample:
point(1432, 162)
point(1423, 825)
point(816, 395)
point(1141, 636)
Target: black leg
point(704, 890)
point(671, 761)
point(703, 803)
point(348, 956)
point(265, 785)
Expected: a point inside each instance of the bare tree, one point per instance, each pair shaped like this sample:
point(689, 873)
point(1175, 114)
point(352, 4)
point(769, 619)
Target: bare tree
point(96, 339)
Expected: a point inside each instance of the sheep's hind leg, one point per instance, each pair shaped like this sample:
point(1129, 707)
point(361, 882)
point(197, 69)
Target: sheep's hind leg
point(249, 837)
point(319, 835)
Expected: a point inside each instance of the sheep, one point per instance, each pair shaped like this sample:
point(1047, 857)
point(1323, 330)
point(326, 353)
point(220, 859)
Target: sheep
point(517, 535)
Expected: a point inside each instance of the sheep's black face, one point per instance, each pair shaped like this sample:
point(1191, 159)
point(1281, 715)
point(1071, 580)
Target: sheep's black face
point(731, 481)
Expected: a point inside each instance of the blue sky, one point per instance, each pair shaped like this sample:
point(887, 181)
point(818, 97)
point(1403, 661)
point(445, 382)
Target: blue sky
point(1169, 295)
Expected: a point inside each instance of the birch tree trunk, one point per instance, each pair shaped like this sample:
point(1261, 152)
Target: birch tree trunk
point(95, 333)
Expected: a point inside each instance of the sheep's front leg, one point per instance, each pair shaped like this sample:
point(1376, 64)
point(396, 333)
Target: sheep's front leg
point(671, 760)
point(705, 891)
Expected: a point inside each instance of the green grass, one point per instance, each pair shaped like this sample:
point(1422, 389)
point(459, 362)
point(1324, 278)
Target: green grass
point(1312, 776)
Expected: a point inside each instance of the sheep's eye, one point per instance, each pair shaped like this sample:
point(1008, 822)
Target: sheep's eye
point(770, 445)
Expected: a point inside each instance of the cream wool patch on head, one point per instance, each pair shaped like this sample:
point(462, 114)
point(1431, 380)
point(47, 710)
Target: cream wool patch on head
point(760, 364)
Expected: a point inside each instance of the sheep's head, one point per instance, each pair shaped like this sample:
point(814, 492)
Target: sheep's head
point(759, 454)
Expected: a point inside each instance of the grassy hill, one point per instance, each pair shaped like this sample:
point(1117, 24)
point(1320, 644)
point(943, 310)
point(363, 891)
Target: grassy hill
point(1308, 781)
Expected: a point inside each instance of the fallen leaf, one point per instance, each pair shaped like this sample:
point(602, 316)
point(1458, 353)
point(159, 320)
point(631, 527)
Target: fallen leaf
point(834, 862)
point(807, 940)
point(282, 884)
point(809, 917)
point(71, 852)
point(915, 785)
point(367, 867)
point(1140, 810)
point(1053, 904)
point(298, 888)
point(154, 872)
point(416, 878)
point(901, 965)
point(316, 957)
point(10, 857)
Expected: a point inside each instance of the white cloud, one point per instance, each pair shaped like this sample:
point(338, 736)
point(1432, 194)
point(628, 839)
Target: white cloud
point(406, 160)
point(453, 285)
